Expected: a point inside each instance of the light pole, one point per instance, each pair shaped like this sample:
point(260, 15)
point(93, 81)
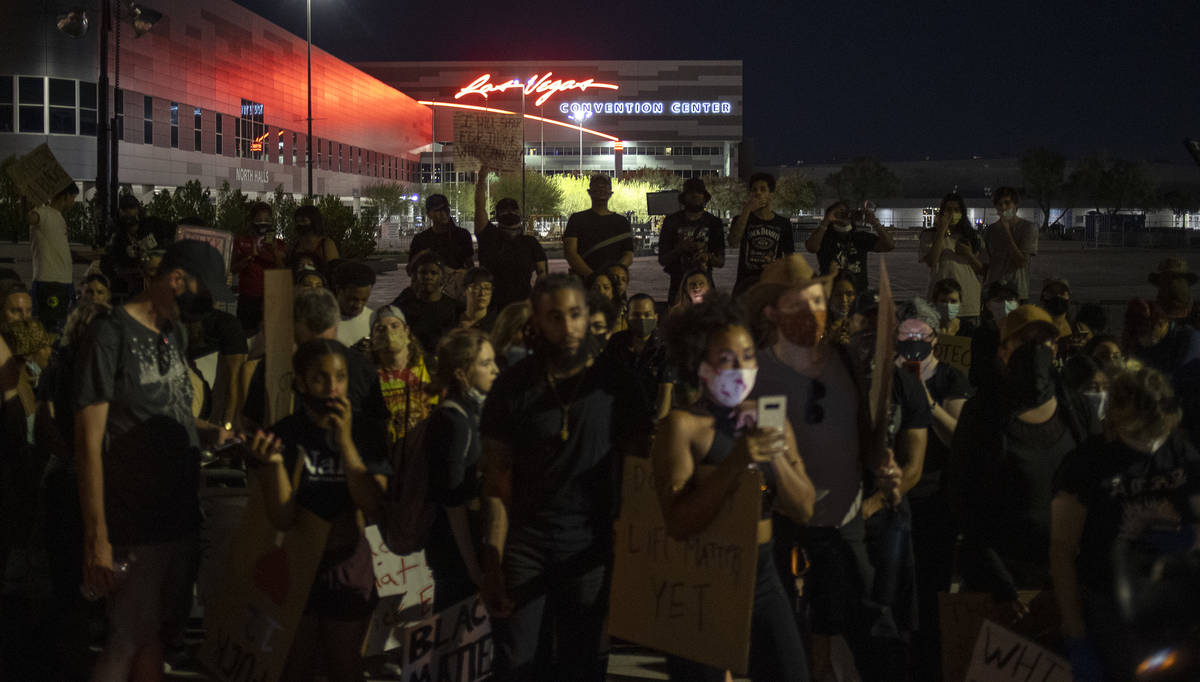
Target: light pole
point(579, 117)
point(308, 140)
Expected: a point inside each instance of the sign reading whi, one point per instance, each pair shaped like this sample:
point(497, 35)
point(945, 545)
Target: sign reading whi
point(535, 85)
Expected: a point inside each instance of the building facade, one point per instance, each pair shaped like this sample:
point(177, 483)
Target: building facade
point(586, 116)
point(212, 92)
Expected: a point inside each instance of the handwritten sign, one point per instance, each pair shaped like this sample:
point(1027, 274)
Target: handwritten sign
point(955, 351)
point(268, 576)
point(454, 645)
point(38, 175)
point(693, 597)
point(220, 240)
point(493, 139)
point(1002, 656)
point(963, 614)
point(405, 586)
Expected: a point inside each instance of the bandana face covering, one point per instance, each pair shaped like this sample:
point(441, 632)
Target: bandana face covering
point(729, 387)
point(805, 328)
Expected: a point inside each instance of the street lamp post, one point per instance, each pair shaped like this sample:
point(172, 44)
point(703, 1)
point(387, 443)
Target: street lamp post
point(580, 117)
point(308, 140)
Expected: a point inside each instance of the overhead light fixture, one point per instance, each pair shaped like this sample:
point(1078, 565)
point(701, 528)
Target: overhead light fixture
point(143, 18)
point(74, 23)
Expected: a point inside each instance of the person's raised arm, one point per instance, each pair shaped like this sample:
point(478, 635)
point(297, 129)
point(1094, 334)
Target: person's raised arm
point(689, 505)
point(496, 498)
point(481, 190)
point(738, 229)
point(941, 228)
point(813, 243)
point(796, 494)
point(885, 242)
point(90, 423)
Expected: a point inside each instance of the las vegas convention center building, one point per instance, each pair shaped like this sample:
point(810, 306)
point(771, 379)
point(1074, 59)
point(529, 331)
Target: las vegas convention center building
point(215, 93)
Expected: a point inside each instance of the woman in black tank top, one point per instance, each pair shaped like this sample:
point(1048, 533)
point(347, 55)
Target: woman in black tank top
point(712, 347)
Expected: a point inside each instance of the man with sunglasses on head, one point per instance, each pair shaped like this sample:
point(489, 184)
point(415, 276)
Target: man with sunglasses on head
point(826, 411)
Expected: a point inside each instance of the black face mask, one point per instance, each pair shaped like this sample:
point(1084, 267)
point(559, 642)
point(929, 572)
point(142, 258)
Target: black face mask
point(193, 306)
point(1057, 305)
point(914, 349)
point(1029, 381)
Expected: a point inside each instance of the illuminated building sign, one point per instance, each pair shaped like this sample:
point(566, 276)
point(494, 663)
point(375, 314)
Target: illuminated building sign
point(257, 144)
point(536, 84)
point(647, 108)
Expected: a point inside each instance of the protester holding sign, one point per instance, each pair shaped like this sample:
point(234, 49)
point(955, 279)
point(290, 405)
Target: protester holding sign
point(451, 443)
point(1140, 483)
point(52, 278)
point(553, 427)
point(512, 256)
point(335, 484)
point(712, 346)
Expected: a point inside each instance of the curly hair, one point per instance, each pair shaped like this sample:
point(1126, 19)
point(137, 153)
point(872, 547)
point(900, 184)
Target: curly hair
point(688, 331)
point(1141, 404)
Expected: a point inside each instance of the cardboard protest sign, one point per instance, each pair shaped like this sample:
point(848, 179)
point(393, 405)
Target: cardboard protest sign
point(493, 139)
point(963, 614)
point(279, 338)
point(253, 618)
point(454, 645)
point(222, 509)
point(1002, 655)
point(38, 175)
point(405, 586)
point(220, 240)
point(954, 351)
point(693, 597)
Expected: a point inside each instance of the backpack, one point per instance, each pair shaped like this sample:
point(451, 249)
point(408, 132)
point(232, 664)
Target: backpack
point(408, 511)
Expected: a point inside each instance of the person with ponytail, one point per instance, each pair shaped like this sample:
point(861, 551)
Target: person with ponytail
point(1137, 483)
point(336, 484)
point(713, 348)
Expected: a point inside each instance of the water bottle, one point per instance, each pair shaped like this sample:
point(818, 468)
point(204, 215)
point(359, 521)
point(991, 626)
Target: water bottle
point(120, 573)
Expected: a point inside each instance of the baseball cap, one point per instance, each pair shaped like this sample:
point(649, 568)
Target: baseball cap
point(694, 185)
point(202, 261)
point(436, 202)
point(385, 312)
point(1022, 317)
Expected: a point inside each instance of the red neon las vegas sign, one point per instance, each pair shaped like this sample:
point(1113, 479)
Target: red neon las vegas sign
point(543, 84)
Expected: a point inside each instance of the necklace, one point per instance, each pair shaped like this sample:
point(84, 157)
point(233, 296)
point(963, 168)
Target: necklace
point(565, 430)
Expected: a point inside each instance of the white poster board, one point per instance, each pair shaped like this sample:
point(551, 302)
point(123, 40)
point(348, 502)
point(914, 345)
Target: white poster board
point(1002, 655)
point(405, 586)
point(455, 644)
point(493, 139)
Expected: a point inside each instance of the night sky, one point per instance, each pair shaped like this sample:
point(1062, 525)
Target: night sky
point(828, 81)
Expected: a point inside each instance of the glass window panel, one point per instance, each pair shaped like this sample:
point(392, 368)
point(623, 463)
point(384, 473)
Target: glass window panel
point(148, 106)
point(6, 118)
point(31, 120)
point(31, 90)
point(148, 132)
point(87, 121)
point(62, 92)
point(6, 89)
point(62, 120)
point(87, 95)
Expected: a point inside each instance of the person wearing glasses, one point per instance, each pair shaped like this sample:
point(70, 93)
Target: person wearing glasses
point(479, 314)
point(827, 414)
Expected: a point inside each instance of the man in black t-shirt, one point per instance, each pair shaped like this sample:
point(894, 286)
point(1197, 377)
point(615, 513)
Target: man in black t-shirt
point(449, 241)
point(429, 311)
point(553, 427)
point(691, 239)
point(504, 248)
point(840, 240)
point(597, 237)
point(762, 235)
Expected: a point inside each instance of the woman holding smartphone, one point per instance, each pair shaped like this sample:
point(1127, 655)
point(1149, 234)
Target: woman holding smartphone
point(713, 347)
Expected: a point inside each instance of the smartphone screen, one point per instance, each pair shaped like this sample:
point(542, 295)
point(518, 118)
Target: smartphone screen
point(772, 411)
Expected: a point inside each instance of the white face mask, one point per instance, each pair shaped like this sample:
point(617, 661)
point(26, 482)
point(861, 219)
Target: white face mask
point(949, 311)
point(729, 387)
point(1009, 213)
point(842, 228)
point(1000, 310)
point(1099, 402)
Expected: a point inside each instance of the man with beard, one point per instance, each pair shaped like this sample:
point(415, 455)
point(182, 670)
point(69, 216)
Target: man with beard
point(827, 413)
point(553, 427)
point(253, 254)
point(430, 312)
point(138, 457)
point(1010, 440)
point(840, 240)
point(691, 239)
point(504, 248)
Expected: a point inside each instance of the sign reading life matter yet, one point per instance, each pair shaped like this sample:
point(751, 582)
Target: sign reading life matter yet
point(1002, 656)
point(38, 175)
point(493, 139)
point(692, 597)
point(454, 645)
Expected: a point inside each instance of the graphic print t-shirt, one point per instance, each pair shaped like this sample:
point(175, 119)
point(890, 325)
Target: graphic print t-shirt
point(849, 250)
point(151, 454)
point(763, 242)
point(323, 489)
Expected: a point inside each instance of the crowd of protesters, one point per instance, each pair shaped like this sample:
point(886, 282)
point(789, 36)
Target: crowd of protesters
point(1063, 459)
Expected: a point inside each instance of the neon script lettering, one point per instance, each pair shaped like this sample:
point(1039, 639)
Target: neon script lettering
point(536, 84)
